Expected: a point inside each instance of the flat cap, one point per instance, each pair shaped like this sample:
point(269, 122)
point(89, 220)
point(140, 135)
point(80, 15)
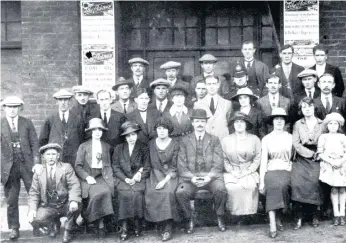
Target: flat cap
point(50, 146)
point(138, 60)
point(160, 81)
point(81, 89)
point(208, 58)
point(12, 101)
point(170, 64)
point(307, 72)
point(63, 94)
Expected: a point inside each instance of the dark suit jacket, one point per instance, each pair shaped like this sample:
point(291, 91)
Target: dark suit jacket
point(338, 105)
point(223, 90)
point(126, 166)
point(152, 105)
point(339, 82)
point(293, 80)
point(84, 162)
point(117, 106)
point(212, 153)
point(29, 146)
point(184, 127)
point(265, 106)
point(67, 186)
point(52, 132)
point(112, 135)
point(148, 132)
point(144, 84)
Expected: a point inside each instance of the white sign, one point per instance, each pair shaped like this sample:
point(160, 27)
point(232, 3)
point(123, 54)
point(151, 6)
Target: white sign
point(98, 44)
point(301, 29)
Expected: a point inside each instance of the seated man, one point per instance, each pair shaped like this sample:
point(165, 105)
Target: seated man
point(200, 166)
point(54, 193)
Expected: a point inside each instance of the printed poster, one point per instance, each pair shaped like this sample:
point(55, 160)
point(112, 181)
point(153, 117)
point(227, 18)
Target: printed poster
point(301, 29)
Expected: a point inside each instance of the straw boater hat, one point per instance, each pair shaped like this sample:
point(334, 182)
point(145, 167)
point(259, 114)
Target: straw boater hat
point(55, 146)
point(122, 81)
point(178, 90)
point(81, 89)
point(208, 58)
point(244, 91)
point(129, 127)
point(238, 115)
point(12, 101)
point(170, 64)
point(63, 94)
point(277, 112)
point(199, 114)
point(160, 81)
point(334, 116)
point(306, 73)
point(138, 60)
point(96, 123)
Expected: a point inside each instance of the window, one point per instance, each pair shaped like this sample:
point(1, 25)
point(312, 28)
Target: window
point(11, 29)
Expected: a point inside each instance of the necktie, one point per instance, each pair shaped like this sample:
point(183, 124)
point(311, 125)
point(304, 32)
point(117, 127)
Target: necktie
point(310, 94)
point(51, 173)
point(105, 120)
point(273, 102)
point(125, 111)
point(327, 104)
point(14, 128)
point(212, 106)
point(247, 65)
point(160, 106)
point(63, 119)
point(178, 115)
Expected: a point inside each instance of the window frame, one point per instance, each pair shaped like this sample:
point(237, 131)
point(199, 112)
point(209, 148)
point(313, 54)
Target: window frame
point(10, 44)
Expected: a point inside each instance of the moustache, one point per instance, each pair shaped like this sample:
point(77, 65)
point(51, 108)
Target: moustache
point(326, 89)
point(200, 126)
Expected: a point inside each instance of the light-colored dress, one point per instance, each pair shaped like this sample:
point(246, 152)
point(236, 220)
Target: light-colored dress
point(242, 157)
point(333, 145)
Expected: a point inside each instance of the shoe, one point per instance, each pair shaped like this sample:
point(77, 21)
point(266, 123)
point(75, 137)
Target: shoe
point(298, 224)
point(272, 234)
point(137, 228)
point(342, 220)
point(190, 227)
point(123, 235)
point(67, 237)
point(279, 225)
point(166, 236)
point(221, 224)
point(101, 233)
point(336, 221)
point(14, 234)
point(315, 222)
point(53, 230)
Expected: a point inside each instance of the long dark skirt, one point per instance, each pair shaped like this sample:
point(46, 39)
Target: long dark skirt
point(130, 201)
point(99, 201)
point(277, 184)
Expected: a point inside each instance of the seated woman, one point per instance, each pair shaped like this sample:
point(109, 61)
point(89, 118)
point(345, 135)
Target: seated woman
point(246, 101)
point(275, 169)
point(160, 202)
point(93, 167)
point(131, 168)
point(242, 153)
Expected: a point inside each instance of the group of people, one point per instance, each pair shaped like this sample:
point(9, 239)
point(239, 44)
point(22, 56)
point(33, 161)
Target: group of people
point(145, 154)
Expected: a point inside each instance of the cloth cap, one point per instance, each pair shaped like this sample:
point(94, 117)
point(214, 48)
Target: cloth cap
point(306, 73)
point(62, 94)
point(81, 89)
point(170, 64)
point(12, 101)
point(208, 58)
point(138, 60)
point(55, 146)
point(160, 81)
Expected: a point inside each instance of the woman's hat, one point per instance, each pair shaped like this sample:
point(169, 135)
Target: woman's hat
point(179, 90)
point(96, 123)
point(166, 123)
point(55, 146)
point(238, 115)
point(199, 114)
point(244, 91)
point(334, 116)
point(129, 127)
point(277, 112)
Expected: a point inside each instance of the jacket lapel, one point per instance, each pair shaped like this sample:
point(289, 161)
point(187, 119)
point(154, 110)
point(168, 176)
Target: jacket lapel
point(43, 180)
point(104, 155)
point(192, 139)
point(5, 131)
point(206, 141)
point(126, 155)
point(141, 122)
point(57, 123)
point(58, 173)
point(267, 105)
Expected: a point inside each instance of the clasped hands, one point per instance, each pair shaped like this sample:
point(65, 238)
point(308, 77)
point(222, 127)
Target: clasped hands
point(200, 181)
point(136, 178)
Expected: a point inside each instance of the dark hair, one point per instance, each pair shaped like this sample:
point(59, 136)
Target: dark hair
point(274, 76)
point(248, 42)
point(200, 81)
point(287, 46)
point(320, 48)
point(140, 91)
point(306, 100)
point(327, 75)
point(103, 91)
point(164, 122)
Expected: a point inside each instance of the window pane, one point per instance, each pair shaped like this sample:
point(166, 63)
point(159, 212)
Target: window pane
point(248, 34)
point(222, 21)
point(267, 36)
point(192, 38)
point(160, 38)
point(3, 10)
point(223, 36)
point(235, 20)
point(3, 32)
point(179, 20)
point(248, 19)
point(210, 36)
point(136, 38)
point(210, 21)
point(191, 21)
point(135, 22)
point(14, 32)
point(179, 37)
point(13, 11)
point(236, 36)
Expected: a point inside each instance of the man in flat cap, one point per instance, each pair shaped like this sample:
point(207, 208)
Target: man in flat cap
point(160, 100)
point(19, 153)
point(171, 70)
point(123, 90)
point(63, 127)
point(208, 63)
point(54, 193)
point(138, 67)
point(257, 71)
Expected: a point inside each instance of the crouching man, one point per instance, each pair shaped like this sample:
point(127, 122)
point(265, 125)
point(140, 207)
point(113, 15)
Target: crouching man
point(54, 193)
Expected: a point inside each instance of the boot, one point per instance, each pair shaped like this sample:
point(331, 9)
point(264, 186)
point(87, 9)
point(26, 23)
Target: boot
point(123, 232)
point(137, 223)
point(221, 225)
point(67, 237)
point(14, 234)
point(190, 226)
point(53, 230)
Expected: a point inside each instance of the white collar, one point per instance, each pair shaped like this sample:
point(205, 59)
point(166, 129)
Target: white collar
point(329, 96)
point(173, 110)
point(208, 74)
point(51, 166)
point(108, 113)
point(67, 113)
point(215, 96)
point(286, 65)
point(172, 81)
point(312, 90)
point(15, 120)
point(164, 102)
point(125, 103)
point(199, 134)
point(275, 96)
point(137, 79)
point(245, 110)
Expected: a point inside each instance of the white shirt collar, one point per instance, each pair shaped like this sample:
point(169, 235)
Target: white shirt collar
point(216, 97)
point(174, 109)
point(164, 103)
point(15, 120)
point(286, 65)
point(208, 74)
point(199, 134)
point(143, 115)
point(66, 113)
point(108, 113)
point(312, 90)
point(131, 146)
point(137, 79)
point(324, 96)
point(273, 96)
point(320, 69)
point(172, 81)
point(245, 110)
point(51, 167)
point(245, 61)
point(124, 103)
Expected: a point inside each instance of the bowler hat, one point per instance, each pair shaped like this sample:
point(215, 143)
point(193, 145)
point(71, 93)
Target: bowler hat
point(238, 115)
point(208, 58)
point(81, 89)
point(179, 89)
point(12, 101)
point(160, 81)
point(62, 94)
point(129, 127)
point(96, 123)
point(277, 112)
point(239, 71)
point(170, 64)
point(122, 81)
point(244, 91)
point(199, 114)
point(138, 60)
point(307, 72)
point(334, 116)
point(55, 146)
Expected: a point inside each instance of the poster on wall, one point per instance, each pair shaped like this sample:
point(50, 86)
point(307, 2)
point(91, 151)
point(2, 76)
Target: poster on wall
point(98, 42)
point(301, 29)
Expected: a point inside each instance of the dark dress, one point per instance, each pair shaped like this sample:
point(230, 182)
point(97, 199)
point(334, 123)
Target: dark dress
point(130, 198)
point(161, 204)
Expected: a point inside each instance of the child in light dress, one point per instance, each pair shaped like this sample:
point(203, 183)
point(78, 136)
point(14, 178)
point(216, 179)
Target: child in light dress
point(332, 152)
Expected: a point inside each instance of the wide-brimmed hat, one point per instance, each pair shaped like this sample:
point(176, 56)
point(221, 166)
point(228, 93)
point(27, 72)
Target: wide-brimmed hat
point(199, 114)
point(239, 71)
point(170, 64)
point(334, 116)
point(277, 112)
point(238, 115)
point(178, 89)
point(138, 60)
point(164, 122)
point(208, 58)
point(55, 146)
point(307, 72)
point(81, 89)
point(122, 81)
point(12, 101)
point(160, 81)
point(95, 123)
point(63, 94)
point(129, 127)
point(244, 91)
